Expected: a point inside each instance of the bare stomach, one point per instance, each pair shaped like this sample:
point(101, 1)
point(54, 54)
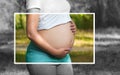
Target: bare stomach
point(59, 36)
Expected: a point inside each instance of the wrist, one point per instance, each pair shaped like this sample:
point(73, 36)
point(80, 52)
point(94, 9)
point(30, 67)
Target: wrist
point(52, 51)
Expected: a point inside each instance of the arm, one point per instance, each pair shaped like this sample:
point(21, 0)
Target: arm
point(33, 35)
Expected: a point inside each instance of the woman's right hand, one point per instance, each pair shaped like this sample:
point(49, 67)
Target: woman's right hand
point(61, 52)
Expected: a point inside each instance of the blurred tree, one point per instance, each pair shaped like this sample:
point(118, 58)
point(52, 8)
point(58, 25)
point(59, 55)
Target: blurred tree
point(9, 7)
point(113, 13)
point(79, 5)
point(83, 21)
point(107, 13)
point(22, 5)
point(20, 21)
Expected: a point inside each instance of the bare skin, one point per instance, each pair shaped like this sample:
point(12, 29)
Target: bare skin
point(59, 36)
point(40, 40)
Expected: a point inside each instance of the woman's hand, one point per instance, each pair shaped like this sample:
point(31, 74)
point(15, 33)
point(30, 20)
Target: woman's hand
point(73, 27)
point(61, 52)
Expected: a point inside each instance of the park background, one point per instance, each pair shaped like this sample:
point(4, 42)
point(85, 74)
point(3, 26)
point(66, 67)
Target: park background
point(82, 51)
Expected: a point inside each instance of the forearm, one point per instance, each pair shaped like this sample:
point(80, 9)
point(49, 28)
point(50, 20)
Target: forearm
point(32, 33)
point(41, 43)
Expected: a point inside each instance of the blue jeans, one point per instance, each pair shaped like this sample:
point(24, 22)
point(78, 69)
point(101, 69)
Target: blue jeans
point(50, 69)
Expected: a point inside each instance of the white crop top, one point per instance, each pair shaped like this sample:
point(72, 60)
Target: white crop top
point(49, 6)
point(48, 21)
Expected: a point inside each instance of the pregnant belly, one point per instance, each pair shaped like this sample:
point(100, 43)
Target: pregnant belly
point(59, 36)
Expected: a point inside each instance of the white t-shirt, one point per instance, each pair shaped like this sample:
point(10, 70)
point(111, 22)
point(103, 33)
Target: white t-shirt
point(49, 6)
point(48, 21)
point(46, 7)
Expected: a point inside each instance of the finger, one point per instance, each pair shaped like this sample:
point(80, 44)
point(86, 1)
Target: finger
point(74, 33)
point(73, 28)
point(72, 25)
point(66, 52)
point(67, 49)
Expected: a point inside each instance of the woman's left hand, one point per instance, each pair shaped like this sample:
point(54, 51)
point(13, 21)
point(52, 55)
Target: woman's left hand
point(73, 27)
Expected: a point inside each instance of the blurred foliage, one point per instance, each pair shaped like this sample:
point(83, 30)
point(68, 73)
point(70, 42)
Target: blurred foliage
point(83, 39)
point(20, 21)
point(82, 56)
point(83, 21)
point(107, 13)
point(20, 56)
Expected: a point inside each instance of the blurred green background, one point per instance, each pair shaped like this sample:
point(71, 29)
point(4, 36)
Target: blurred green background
point(83, 45)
